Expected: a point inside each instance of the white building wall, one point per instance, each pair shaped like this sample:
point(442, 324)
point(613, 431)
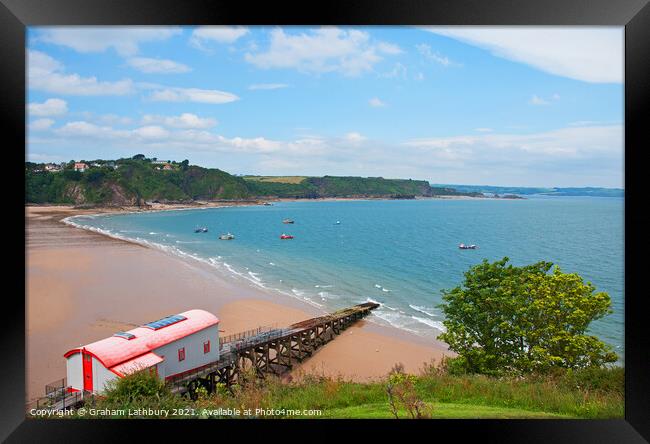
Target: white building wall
point(74, 371)
point(194, 356)
point(101, 375)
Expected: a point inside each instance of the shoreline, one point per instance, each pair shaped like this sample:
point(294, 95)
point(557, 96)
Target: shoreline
point(101, 209)
point(73, 298)
point(200, 263)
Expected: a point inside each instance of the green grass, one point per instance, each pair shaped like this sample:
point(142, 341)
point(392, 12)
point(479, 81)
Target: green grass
point(589, 394)
point(277, 179)
point(439, 411)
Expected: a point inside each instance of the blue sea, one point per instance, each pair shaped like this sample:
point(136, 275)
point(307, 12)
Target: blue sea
point(400, 253)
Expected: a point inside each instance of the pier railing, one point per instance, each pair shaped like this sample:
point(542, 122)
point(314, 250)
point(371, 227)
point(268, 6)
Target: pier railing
point(55, 388)
point(62, 399)
point(239, 336)
point(258, 338)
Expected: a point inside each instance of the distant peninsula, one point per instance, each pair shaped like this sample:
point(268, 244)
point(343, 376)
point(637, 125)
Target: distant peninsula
point(528, 191)
point(138, 180)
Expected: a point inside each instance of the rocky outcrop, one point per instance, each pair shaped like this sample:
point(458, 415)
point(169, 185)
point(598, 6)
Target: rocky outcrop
point(75, 193)
point(120, 197)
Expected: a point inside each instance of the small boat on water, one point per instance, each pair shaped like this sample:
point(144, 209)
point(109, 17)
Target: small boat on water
point(287, 221)
point(201, 230)
point(338, 222)
point(267, 204)
point(467, 247)
point(286, 236)
point(227, 236)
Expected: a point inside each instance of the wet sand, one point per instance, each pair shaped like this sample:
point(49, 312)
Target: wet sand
point(83, 286)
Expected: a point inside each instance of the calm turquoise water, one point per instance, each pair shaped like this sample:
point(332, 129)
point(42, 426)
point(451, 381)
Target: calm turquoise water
point(399, 253)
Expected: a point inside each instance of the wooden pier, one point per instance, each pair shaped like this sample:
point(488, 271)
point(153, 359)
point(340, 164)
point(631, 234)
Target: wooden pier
point(272, 351)
point(261, 351)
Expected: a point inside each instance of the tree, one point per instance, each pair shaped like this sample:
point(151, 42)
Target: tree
point(95, 176)
point(72, 175)
point(185, 164)
point(138, 157)
point(507, 318)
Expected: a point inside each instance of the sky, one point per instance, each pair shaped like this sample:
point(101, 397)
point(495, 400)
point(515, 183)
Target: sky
point(510, 106)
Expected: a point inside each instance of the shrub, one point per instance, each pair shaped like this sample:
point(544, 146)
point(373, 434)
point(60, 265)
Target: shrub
point(400, 388)
point(523, 319)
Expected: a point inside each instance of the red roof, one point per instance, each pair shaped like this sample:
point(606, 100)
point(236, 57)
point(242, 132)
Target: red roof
point(144, 361)
point(114, 351)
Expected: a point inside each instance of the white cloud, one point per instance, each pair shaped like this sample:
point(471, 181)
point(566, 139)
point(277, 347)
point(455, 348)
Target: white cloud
point(586, 54)
point(483, 130)
point(185, 138)
point(86, 130)
point(82, 128)
point(51, 107)
point(572, 156)
point(398, 71)
point(389, 48)
point(114, 119)
point(185, 120)
point(47, 74)
point(256, 144)
point(151, 132)
point(428, 54)
point(157, 66)
point(537, 101)
point(591, 123)
point(212, 96)
point(376, 102)
point(125, 40)
point(219, 34)
point(41, 124)
point(326, 49)
point(565, 143)
point(354, 137)
point(268, 86)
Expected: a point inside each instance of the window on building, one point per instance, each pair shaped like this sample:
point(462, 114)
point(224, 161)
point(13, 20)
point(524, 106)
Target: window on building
point(181, 354)
point(206, 347)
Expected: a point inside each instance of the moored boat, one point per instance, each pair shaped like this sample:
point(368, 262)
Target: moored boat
point(201, 230)
point(227, 236)
point(467, 247)
point(287, 221)
point(286, 236)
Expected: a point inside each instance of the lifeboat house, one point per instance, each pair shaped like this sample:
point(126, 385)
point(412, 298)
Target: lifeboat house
point(169, 346)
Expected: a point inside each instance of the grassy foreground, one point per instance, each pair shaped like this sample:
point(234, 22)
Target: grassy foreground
point(590, 393)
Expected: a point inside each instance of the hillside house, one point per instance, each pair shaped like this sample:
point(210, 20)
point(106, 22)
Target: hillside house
point(80, 166)
point(52, 168)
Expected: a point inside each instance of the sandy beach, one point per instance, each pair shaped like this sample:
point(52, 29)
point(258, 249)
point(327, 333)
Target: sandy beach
point(83, 286)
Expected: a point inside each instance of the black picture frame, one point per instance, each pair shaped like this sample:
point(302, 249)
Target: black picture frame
point(634, 15)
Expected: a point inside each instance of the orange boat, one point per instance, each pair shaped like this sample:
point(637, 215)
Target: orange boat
point(286, 236)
